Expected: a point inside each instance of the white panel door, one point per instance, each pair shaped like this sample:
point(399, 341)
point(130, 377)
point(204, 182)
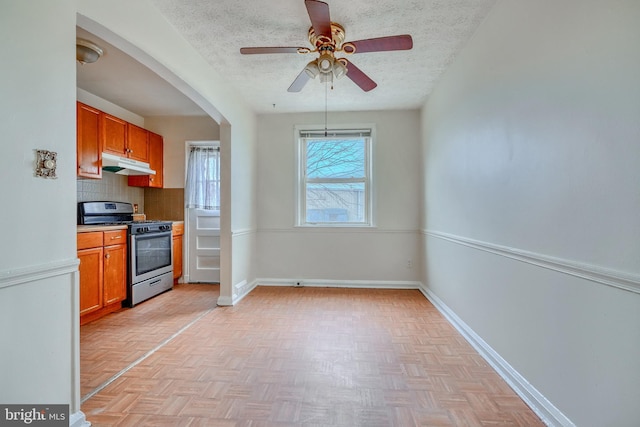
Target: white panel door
point(204, 246)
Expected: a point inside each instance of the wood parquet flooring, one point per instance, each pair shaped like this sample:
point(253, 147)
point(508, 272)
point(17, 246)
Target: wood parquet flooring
point(312, 357)
point(110, 344)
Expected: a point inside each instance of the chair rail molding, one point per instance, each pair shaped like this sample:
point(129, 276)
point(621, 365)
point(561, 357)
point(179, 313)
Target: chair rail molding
point(617, 279)
point(37, 272)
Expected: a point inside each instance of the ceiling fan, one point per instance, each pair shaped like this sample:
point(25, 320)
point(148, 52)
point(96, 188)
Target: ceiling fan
point(327, 39)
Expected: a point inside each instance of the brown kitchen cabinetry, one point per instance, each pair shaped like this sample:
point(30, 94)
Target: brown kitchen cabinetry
point(114, 135)
point(91, 267)
point(89, 142)
point(137, 143)
point(178, 232)
point(103, 272)
point(156, 163)
point(99, 132)
point(124, 139)
point(115, 267)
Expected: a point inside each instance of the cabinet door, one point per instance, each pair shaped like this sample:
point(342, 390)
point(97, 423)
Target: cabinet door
point(156, 154)
point(115, 273)
point(177, 257)
point(137, 143)
point(114, 135)
point(88, 143)
point(156, 162)
point(90, 279)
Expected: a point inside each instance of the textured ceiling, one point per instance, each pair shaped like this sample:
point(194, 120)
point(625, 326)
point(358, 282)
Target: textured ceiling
point(218, 29)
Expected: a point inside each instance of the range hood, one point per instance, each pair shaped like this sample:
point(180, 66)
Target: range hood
point(124, 166)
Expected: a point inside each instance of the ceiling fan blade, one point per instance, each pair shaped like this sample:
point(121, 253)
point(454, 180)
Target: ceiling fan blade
point(360, 78)
point(380, 44)
point(257, 50)
point(299, 82)
point(320, 18)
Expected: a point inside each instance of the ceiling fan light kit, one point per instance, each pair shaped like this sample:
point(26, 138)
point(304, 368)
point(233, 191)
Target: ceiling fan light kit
point(325, 63)
point(339, 69)
point(312, 69)
point(327, 39)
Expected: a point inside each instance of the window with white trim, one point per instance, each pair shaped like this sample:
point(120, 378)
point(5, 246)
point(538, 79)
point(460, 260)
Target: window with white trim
point(334, 178)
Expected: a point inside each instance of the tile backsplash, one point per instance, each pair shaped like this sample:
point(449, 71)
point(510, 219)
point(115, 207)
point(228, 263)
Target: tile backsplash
point(111, 187)
point(155, 203)
point(164, 203)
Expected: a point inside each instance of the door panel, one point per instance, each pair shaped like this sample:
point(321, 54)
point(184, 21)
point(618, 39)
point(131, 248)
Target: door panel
point(204, 246)
point(91, 268)
point(115, 273)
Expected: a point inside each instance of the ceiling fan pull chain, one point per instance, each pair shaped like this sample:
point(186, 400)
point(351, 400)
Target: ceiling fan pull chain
point(325, 107)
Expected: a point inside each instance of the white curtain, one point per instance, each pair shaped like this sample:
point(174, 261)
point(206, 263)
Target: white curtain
point(202, 190)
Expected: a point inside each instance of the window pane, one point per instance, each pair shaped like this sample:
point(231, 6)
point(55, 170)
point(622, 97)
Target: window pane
point(335, 158)
point(335, 203)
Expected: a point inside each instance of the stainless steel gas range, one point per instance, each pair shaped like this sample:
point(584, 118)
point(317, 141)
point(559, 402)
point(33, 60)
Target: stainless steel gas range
point(150, 260)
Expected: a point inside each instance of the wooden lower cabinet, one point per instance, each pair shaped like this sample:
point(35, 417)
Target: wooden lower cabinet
point(178, 232)
point(115, 274)
point(91, 267)
point(103, 273)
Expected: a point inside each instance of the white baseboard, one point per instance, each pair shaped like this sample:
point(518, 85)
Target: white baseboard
point(548, 413)
point(323, 283)
point(243, 289)
point(77, 419)
point(240, 290)
point(225, 301)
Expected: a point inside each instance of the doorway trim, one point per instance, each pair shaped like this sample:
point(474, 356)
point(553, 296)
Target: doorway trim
point(186, 243)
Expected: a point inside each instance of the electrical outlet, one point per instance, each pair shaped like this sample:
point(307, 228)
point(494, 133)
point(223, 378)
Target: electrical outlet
point(409, 263)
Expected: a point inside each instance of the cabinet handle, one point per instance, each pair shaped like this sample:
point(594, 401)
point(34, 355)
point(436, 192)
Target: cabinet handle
point(107, 256)
point(115, 237)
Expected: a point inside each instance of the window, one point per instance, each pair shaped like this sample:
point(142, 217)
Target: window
point(334, 178)
point(202, 189)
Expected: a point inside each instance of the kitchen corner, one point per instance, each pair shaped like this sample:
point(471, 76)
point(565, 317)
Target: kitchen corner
point(103, 249)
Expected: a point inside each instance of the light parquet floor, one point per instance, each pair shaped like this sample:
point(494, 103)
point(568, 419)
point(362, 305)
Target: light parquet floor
point(110, 344)
point(310, 357)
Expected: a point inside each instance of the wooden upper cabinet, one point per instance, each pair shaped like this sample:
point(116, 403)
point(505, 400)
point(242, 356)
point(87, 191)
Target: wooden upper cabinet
point(124, 139)
point(88, 143)
point(156, 163)
point(137, 143)
point(114, 135)
point(99, 132)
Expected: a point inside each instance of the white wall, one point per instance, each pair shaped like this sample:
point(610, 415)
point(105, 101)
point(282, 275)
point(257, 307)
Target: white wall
point(175, 132)
point(38, 264)
point(379, 254)
point(531, 144)
point(109, 107)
